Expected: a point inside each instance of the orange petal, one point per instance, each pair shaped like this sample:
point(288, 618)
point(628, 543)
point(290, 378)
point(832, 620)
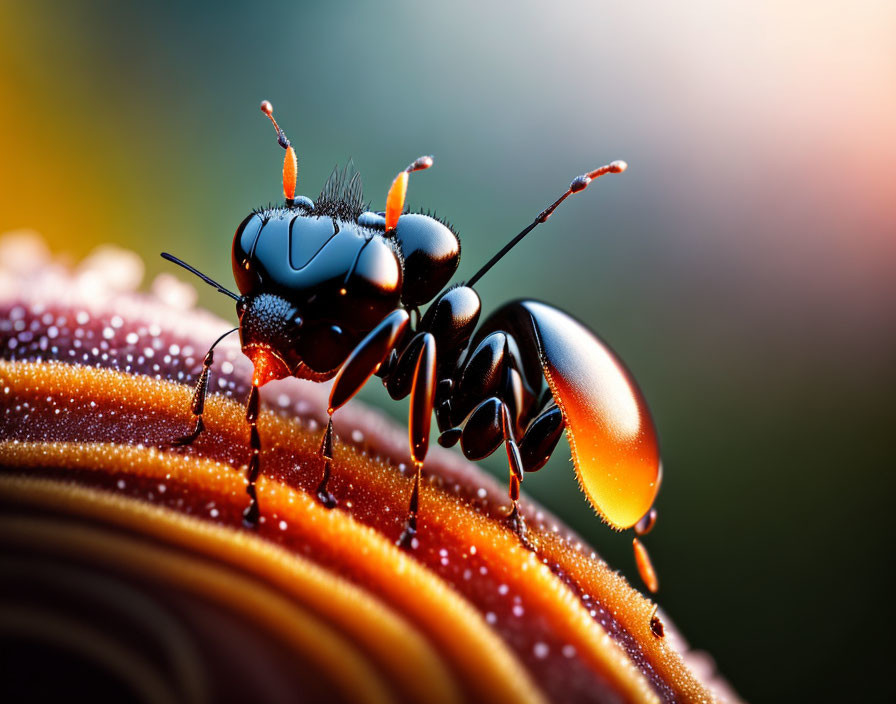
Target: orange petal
point(95, 385)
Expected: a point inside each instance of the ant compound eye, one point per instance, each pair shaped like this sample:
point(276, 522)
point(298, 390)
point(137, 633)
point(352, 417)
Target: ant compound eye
point(373, 220)
point(303, 202)
point(431, 253)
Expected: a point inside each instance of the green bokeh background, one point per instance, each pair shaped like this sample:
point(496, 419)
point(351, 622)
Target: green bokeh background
point(743, 267)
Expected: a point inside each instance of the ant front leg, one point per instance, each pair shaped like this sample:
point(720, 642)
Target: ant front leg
point(423, 391)
point(251, 514)
point(197, 405)
point(361, 364)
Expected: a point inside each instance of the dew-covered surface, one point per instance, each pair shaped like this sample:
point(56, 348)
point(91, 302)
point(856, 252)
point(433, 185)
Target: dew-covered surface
point(48, 314)
point(184, 635)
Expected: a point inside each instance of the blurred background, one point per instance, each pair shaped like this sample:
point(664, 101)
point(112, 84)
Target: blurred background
point(744, 267)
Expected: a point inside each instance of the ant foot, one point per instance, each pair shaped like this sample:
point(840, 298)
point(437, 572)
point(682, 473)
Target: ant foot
point(325, 497)
point(185, 440)
point(517, 524)
point(409, 534)
point(251, 515)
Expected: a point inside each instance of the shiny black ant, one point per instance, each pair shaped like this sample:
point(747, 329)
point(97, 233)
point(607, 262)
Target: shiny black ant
point(328, 289)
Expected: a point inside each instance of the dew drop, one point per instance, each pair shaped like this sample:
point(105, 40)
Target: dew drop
point(647, 522)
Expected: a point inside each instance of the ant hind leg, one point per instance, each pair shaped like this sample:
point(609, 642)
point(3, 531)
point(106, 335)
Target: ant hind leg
point(514, 519)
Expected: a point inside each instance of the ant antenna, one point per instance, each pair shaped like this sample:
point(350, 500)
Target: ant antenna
point(209, 281)
point(398, 190)
point(580, 183)
point(290, 161)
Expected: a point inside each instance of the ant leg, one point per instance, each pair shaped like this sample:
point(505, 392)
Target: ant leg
point(423, 391)
point(326, 455)
point(541, 437)
point(197, 405)
point(251, 514)
point(515, 518)
point(361, 364)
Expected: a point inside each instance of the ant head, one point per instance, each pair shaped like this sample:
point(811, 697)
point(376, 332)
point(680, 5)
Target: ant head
point(333, 275)
point(429, 250)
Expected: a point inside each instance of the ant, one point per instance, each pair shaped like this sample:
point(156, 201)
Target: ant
point(328, 290)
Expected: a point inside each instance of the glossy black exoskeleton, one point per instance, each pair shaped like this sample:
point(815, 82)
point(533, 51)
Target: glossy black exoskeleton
point(331, 290)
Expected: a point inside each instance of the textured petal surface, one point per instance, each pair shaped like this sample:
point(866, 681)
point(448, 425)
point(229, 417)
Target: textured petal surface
point(315, 604)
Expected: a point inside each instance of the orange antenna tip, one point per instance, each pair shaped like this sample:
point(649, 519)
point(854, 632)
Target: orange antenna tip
point(268, 110)
point(290, 161)
point(395, 199)
point(423, 162)
point(398, 190)
point(290, 173)
point(614, 167)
